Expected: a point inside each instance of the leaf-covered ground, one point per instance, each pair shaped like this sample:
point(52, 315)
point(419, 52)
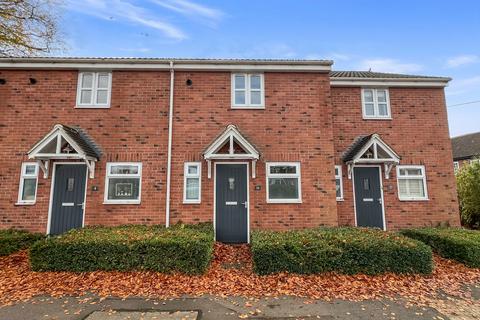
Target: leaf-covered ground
point(231, 275)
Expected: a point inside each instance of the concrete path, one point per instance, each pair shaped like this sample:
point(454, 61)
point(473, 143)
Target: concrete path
point(210, 308)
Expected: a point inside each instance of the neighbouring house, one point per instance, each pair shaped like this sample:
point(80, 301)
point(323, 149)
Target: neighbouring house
point(246, 144)
point(466, 149)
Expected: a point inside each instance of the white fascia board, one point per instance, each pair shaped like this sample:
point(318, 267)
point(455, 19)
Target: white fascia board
point(166, 66)
point(389, 83)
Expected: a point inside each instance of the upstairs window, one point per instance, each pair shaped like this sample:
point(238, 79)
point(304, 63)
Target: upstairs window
point(412, 183)
point(123, 183)
point(338, 183)
point(283, 182)
point(27, 192)
point(192, 182)
point(94, 89)
point(376, 104)
point(248, 90)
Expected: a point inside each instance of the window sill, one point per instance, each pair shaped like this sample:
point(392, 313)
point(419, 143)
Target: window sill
point(122, 202)
point(413, 199)
point(25, 203)
point(248, 107)
point(92, 107)
point(340, 199)
point(377, 118)
point(286, 201)
point(192, 202)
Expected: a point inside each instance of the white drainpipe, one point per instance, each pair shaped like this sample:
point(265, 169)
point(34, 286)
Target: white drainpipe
point(169, 153)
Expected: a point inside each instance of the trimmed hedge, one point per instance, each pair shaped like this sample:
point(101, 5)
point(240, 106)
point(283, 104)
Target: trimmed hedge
point(14, 240)
point(180, 248)
point(343, 250)
point(453, 243)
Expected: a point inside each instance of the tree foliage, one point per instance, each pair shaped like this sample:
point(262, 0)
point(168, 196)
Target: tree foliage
point(28, 27)
point(468, 185)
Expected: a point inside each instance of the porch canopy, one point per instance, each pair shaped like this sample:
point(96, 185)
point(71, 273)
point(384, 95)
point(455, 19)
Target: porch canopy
point(370, 149)
point(231, 145)
point(65, 143)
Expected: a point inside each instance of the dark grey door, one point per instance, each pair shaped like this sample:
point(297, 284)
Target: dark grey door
point(368, 197)
point(231, 203)
point(68, 198)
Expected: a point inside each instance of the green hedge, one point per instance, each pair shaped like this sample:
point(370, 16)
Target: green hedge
point(13, 240)
point(180, 248)
point(453, 243)
point(342, 250)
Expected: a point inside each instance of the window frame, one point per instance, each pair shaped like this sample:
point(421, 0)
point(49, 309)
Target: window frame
point(340, 177)
point(423, 177)
point(186, 176)
point(248, 104)
point(456, 166)
point(297, 175)
point(109, 175)
point(24, 176)
point(376, 116)
point(93, 104)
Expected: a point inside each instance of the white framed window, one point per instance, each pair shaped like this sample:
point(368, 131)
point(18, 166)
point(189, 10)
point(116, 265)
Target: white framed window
point(376, 103)
point(192, 182)
point(412, 183)
point(456, 166)
point(94, 89)
point(338, 183)
point(123, 183)
point(248, 90)
point(284, 182)
point(27, 191)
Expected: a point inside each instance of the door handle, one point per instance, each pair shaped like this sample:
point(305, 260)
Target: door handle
point(245, 203)
point(81, 205)
point(380, 200)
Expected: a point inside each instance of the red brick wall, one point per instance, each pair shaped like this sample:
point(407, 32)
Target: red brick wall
point(133, 129)
point(418, 132)
point(295, 126)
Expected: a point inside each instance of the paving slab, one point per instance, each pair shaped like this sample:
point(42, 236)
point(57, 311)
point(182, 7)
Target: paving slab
point(142, 315)
point(91, 307)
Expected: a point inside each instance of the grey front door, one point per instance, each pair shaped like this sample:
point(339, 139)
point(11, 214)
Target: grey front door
point(231, 203)
point(368, 197)
point(68, 197)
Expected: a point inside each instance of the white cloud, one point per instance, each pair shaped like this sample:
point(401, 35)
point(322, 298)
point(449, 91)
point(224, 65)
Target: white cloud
point(127, 11)
point(389, 65)
point(190, 8)
point(331, 56)
point(462, 60)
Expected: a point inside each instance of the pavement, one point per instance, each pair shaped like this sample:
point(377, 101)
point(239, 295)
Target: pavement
point(92, 307)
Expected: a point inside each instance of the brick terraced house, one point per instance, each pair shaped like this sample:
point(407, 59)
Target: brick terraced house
point(247, 144)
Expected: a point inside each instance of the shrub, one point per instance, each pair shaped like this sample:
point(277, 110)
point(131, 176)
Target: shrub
point(342, 250)
point(180, 248)
point(452, 243)
point(468, 186)
point(13, 240)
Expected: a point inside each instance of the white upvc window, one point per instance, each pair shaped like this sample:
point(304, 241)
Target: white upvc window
point(192, 182)
point(412, 183)
point(27, 191)
point(376, 104)
point(338, 183)
point(94, 89)
point(123, 183)
point(248, 90)
point(456, 166)
point(284, 182)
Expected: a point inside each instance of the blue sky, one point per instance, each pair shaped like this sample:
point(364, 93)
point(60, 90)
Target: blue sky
point(419, 37)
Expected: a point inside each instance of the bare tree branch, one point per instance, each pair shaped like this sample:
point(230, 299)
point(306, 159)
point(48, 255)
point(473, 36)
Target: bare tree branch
point(29, 27)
